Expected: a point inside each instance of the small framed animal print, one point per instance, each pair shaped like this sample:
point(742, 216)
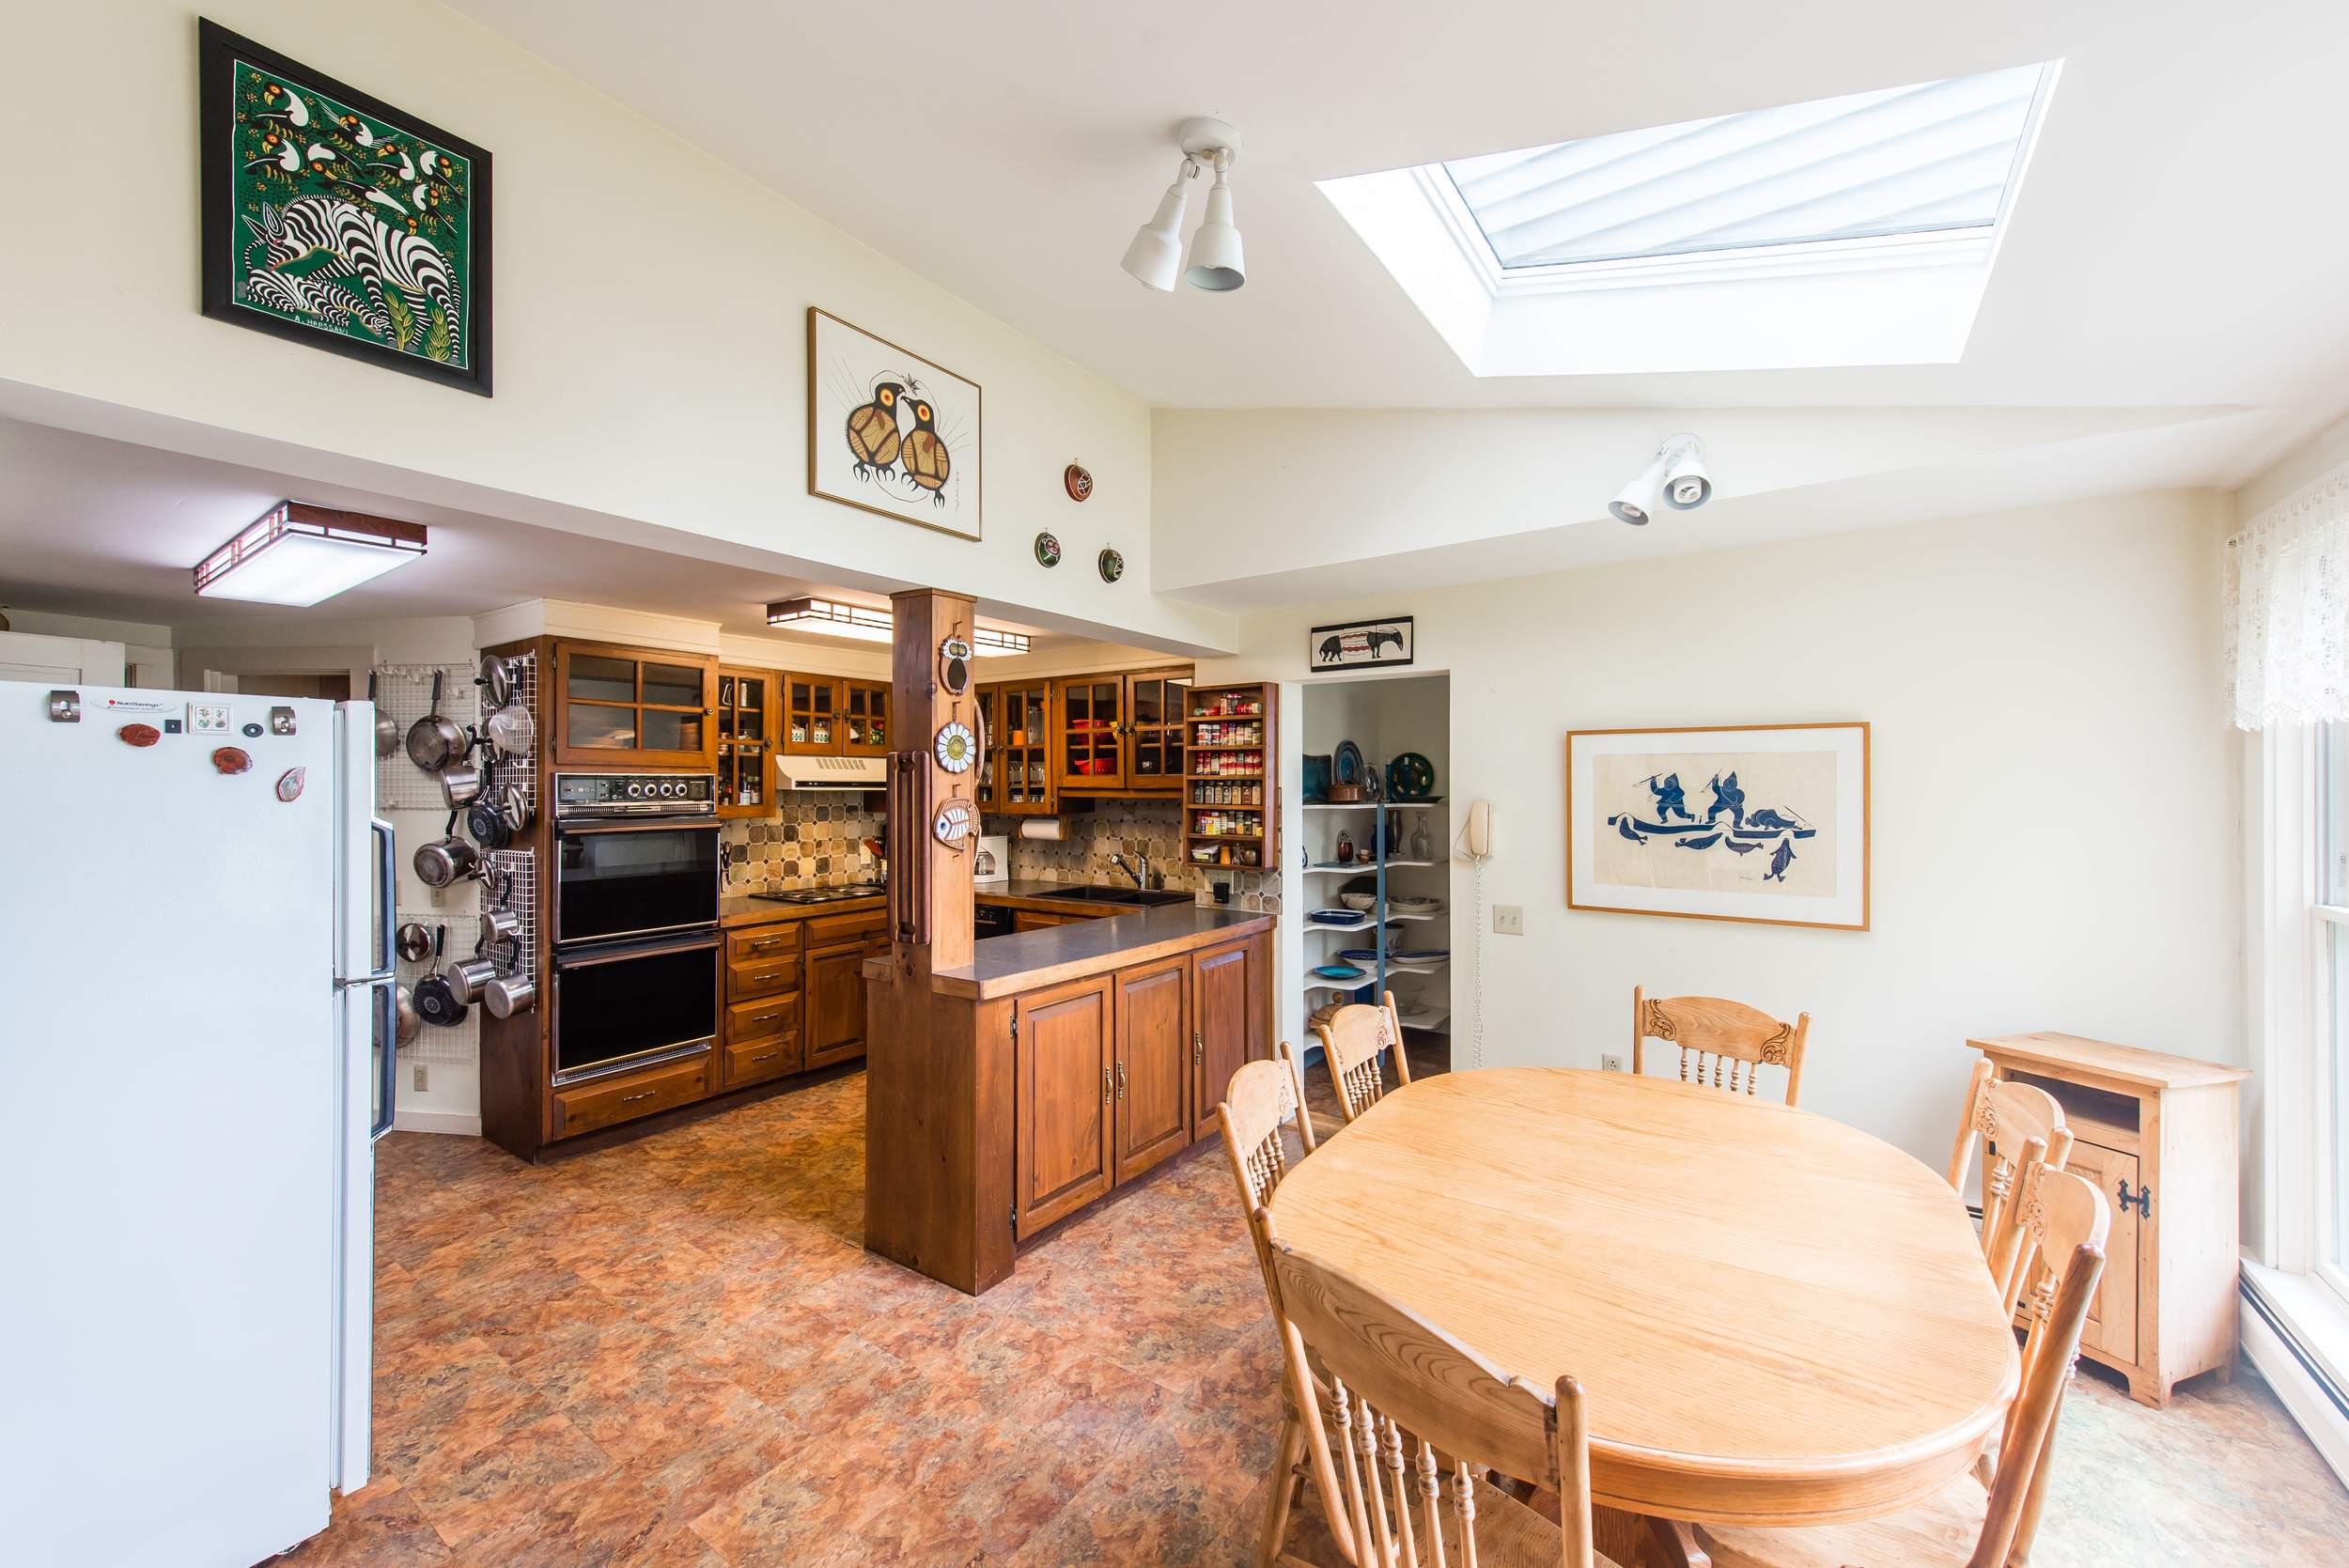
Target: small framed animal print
point(889, 431)
point(1360, 644)
point(332, 219)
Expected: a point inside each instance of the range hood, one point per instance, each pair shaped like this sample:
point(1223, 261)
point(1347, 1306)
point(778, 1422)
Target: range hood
point(794, 772)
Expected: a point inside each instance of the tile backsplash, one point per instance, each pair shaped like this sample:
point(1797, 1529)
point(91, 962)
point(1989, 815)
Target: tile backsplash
point(806, 844)
point(1153, 829)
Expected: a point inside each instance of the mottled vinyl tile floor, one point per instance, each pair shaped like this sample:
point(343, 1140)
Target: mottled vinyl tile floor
point(675, 1352)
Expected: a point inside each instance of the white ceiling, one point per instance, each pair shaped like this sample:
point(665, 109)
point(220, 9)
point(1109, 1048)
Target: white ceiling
point(2170, 247)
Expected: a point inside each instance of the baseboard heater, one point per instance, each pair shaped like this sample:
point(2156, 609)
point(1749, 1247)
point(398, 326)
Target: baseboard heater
point(2256, 1301)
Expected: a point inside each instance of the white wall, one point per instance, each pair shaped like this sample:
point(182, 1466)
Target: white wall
point(2055, 798)
point(651, 307)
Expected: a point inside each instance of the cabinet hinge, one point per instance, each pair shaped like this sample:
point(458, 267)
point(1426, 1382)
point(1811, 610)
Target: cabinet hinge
point(1015, 1029)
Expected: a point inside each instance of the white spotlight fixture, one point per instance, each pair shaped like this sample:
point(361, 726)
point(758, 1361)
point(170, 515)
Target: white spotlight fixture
point(1217, 265)
point(1677, 476)
point(296, 553)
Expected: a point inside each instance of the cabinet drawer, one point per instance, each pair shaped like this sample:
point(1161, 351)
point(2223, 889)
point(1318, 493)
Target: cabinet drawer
point(601, 1105)
point(825, 930)
point(762, 1017)
point(762, 941)
point(755, 1061)
point(761, 977)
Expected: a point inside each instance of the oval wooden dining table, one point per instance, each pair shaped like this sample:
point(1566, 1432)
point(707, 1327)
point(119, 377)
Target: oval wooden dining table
point(1776, 1319)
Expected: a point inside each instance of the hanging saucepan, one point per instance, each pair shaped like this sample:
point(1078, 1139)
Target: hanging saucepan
point(433, 741)
point(467, 976)
point(386, 733)
point(499, 926)
point(512, 730)
point(436, 1003)
point(513, 991)
point(410, 1021)
point(446, 859)
point(412, 940)
point(497, 678)
point(484, 820)
point(460, 784)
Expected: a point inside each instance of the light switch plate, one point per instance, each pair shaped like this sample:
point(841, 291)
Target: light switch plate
point(1509, 919)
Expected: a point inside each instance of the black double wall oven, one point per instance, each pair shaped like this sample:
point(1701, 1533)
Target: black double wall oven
point(637, 871)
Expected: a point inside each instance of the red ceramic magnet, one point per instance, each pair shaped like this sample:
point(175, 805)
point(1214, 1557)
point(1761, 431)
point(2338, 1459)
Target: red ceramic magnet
point(139, 735)
point(232, 759)
point(289, 783)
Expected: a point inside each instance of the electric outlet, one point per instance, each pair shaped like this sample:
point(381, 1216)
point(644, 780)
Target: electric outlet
point(1611, 1063)
point(1509, 920)
point(440, 898)
point(419, 1077)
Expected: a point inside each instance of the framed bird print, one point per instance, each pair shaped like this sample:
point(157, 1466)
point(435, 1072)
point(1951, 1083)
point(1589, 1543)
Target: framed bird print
point(334, 219)
point(1753, 822)
point(889, 431)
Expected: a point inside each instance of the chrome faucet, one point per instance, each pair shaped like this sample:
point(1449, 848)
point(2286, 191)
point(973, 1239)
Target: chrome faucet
point(1139, 871)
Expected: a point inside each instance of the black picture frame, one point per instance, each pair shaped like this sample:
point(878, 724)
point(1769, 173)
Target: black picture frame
point(217, 52)
point(1331, 647)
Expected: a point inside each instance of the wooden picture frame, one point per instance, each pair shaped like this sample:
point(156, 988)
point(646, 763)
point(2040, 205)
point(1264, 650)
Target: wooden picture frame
point(1767, 824)
point(260, 269)
point(871, 445)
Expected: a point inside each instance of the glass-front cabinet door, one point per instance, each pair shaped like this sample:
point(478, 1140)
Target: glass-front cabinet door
point(864, 718)
point(1021, 724)
point(634, 708)
point(1153, 730)
point(811, 716)
point(745, 742)
point(987, 792)
point(1092, 740)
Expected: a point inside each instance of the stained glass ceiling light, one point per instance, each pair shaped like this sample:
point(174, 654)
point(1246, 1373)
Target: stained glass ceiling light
point(1933, 158)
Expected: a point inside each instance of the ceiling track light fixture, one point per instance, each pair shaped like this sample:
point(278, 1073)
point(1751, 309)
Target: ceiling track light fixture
point(1217, 265)
point(1677, 476)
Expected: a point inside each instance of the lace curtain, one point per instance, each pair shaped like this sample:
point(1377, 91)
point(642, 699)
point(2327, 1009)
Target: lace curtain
point(2287, 610)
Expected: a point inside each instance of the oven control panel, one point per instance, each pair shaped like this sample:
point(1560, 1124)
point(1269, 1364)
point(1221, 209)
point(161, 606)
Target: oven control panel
point(635, 794)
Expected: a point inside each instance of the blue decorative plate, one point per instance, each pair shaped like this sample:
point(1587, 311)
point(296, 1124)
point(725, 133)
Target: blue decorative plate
point(1333, 916)
point(1338, 971)
point(1423, 956)
point(1410, 777)
point(1358, 955)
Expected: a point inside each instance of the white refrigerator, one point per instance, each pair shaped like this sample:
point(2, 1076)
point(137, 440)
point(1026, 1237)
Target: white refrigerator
point(195, 1048)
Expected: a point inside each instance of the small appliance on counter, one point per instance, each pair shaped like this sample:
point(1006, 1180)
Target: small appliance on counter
point(993, 865)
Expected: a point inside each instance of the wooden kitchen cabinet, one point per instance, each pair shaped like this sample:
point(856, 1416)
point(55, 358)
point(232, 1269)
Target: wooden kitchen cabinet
point(1021, 778)
point(1122, 733)
point(634, 708)
point(1228, 1028)
point(1066, 1085)
point(1153, 1064)
point(864, 718)
point(611, 1101)
point(1153, 730)
point(811, 716)
point(746, 733)
point(2156, 1134)
point(834, 1027)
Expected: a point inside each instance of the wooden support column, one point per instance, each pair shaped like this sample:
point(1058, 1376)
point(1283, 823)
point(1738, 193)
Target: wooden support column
point(938, 1099)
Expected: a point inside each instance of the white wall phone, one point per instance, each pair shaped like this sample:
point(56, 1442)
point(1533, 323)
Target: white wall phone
point(1476, 834)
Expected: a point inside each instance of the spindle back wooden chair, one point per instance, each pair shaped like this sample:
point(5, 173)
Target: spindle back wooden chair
point(1968, 1523)
point(2010, 1122)
point(1263, 1100)
point(1728, 1040)
point(1409, 1403)
point(1353, 1039)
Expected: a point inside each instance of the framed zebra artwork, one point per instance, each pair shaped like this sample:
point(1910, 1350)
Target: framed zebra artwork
point(889, 431)
point(1765, 823)
point(332, 219)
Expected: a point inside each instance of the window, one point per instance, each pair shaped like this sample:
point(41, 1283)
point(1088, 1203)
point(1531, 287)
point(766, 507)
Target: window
point(2331, 1163)
point(1848, 231)
point(1934, 158)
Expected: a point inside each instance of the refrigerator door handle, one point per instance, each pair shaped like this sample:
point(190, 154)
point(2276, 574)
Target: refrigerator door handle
point(387, 1053)
point(387, 883)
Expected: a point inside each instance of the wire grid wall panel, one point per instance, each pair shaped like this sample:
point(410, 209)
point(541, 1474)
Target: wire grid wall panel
point(405, 692)
point(455, 1045)
point(516, 870)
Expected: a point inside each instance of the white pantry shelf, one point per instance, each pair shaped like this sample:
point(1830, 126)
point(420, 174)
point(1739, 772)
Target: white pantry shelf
point(1371, 805)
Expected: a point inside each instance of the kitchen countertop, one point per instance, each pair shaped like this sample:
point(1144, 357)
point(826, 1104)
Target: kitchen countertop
point(740, 908)
point(1005, 966)
point(744, 909)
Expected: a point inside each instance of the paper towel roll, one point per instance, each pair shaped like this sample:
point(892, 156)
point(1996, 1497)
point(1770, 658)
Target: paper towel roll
point(1043, 828)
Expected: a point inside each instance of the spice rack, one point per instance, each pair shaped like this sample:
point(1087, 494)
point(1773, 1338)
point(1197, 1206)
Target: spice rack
point(1229, 801)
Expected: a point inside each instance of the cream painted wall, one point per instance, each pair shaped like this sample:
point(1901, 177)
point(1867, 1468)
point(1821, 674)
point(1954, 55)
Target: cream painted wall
point(650, 313)
point(2055, 792)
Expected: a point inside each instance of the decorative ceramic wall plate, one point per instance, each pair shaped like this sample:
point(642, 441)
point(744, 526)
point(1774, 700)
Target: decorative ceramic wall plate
point(957, 747)
point(1048, 549)
point(951, 826)
point(1079, 483)
point(1113, 565)
point(954, 666)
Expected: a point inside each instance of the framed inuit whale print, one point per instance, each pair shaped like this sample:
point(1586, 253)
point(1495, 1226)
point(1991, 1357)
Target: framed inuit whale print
point(1755, 822)
point(334, 219)
point(889, 431)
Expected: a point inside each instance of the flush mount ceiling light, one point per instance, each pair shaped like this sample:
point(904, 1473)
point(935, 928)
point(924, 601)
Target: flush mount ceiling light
point(828, 617)
point(1677, 476)
point(1154, 258)
point(296, 553)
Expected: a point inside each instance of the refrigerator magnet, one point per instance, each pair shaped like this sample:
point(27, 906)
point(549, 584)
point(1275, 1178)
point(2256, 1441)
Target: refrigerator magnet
point(289, 783)
point(232, 760)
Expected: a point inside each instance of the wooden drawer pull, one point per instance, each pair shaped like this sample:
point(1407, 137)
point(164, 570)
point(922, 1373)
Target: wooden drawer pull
point(766, 1055)
point(631, 1099)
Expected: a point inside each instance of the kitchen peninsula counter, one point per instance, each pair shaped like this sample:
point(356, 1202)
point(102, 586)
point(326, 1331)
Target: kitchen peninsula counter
point(1027, 960)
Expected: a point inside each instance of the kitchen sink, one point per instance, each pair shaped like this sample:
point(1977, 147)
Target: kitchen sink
point(1117, 895)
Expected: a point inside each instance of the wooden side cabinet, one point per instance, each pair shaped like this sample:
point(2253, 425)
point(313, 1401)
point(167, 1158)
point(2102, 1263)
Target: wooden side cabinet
point(1065, 1047)
point(2156, 1134)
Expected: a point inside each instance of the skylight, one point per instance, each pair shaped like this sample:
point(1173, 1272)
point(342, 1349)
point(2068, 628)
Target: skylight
point(1849, 231)
point(1904, 160)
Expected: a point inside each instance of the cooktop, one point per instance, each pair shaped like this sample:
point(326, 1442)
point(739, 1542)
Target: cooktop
point(823, 896)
